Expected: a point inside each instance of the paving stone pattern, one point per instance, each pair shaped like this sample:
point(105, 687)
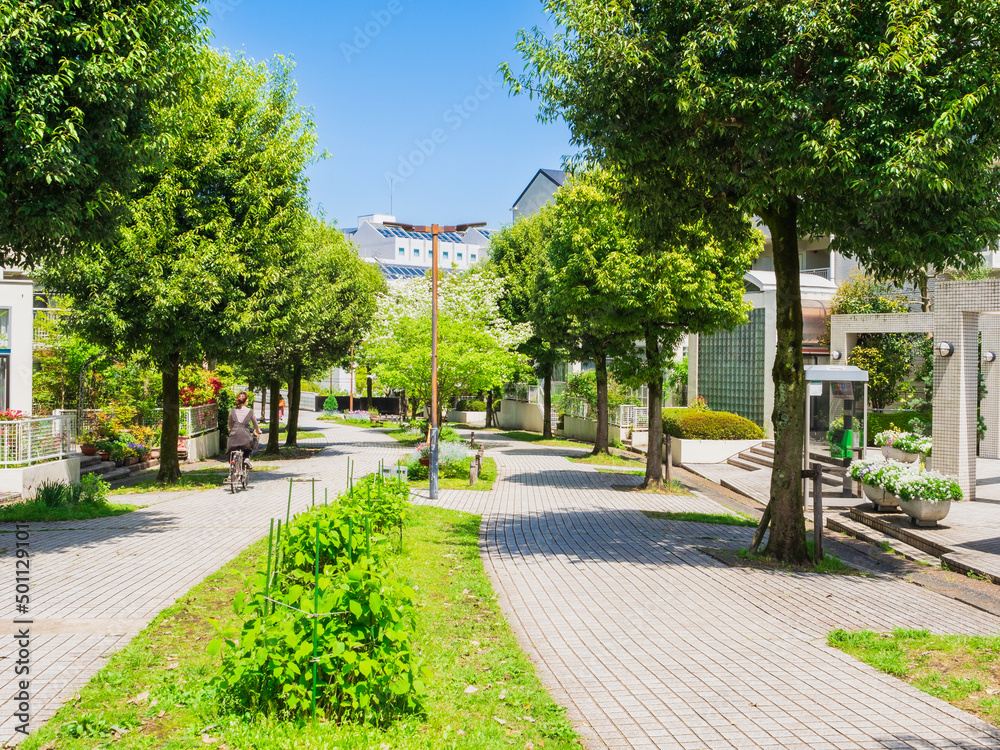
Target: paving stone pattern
point(649, 642)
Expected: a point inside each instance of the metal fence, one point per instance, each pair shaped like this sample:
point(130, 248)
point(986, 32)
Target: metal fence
point(32, 441)
point(575, 407)
point(196, 419)
point(531, 393)
point(629, 415)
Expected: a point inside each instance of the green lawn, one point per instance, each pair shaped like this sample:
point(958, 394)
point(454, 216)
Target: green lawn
point(718, 518)
point(484, 483)
point(35, 511)
point(606, 459)
point(960, 669)
point(536, 437)
point(484, 692)
point(205, 478)
point(352, 422)
point(300, 432)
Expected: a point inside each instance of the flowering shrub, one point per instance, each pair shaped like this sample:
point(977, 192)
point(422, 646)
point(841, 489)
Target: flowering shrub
point(878, 473)
point(926, 485)
point(357, 414)
point(198, 386)
point(11, 415)
point(910, 443)
point(887, 437)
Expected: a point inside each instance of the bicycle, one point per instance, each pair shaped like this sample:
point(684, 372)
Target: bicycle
point(239, 471)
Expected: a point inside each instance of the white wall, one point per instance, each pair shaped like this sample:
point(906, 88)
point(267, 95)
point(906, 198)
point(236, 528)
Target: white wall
point(519, 415)
point(19, 297)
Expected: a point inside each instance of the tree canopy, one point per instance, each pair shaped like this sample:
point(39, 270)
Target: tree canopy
point(874, 123)
point(197, 263)
point(79, 83)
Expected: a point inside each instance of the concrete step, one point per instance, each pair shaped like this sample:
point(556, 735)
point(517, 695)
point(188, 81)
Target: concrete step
point(762, 450)
point(120, 472)
point(844, 523)
point(738, 462)
point(756, 458)
point(87, 461)
point(98, 468)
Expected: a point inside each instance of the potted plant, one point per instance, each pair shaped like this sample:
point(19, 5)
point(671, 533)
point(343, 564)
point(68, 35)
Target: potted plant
point(88, 443)
point(104, 448)
point(925, 496)
point(424, 454)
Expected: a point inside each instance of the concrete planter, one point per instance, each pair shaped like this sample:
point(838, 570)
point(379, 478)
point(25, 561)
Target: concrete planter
point(476, 418)
point(707, 451)
point(925, 512)
point(586, 430)
point(25, 480)
point(897, 455)
point(881, 499)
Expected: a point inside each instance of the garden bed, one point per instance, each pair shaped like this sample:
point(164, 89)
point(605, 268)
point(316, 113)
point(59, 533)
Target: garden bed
point(461, 481)
point(742, 559)
point(483, 692)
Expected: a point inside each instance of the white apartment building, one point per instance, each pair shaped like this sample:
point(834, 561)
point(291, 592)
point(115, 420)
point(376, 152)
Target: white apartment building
point(401, 254)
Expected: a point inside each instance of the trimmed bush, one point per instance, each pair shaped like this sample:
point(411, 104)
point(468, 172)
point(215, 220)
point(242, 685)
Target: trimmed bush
point(703, 424)
point(895, 420)
point(471, 404)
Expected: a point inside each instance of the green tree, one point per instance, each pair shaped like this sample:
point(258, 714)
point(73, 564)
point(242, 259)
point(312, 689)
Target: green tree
point(873, 123)
point(589, 273)
point(328, 305)
point(197, 262)
point(78, 84)
point(517, 251)
point(477, 346)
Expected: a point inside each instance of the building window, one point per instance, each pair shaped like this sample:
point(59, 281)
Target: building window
point(445, 253)
point(416, 253)
point(402, 252)
point(5, 330)
point(472, 257)
point(459, 256)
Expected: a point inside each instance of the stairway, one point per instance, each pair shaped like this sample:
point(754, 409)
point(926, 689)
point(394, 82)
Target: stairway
point(108, 472)
point(762, 457)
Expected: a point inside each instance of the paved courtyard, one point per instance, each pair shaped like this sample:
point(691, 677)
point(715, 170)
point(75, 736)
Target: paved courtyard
point(648, 641)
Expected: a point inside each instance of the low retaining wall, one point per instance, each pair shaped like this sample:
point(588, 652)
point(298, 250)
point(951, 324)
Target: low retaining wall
point(476, 418)
point(586, 430)
point(203, 446)
point(520, 415)
point(706, 451)
point(25, 480)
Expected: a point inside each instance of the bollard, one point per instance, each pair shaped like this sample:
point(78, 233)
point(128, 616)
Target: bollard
point(472, 440)
point(848, 490)
point(817, 513)
point(473, 474)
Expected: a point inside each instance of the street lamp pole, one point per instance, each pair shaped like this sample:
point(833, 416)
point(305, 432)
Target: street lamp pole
point(434, 230)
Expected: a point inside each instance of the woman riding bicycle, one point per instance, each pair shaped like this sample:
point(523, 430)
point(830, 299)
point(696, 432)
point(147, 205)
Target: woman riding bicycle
point(243, 429)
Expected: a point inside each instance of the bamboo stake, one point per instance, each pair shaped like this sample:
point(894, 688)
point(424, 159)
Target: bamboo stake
point(267, 577)
point(288, 512)
point(315, 624)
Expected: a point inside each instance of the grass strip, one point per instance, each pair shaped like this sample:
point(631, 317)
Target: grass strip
point(36, 511)
point(960, 669)
point(829, 564)
point(723, 519)
point(537, 439)
point(462, 483)
point(484, 692)
point(607, 459)
point(205, 478)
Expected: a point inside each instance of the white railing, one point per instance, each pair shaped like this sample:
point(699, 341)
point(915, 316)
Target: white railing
point(575, 407)
point(31, 441)
point(629, 415)
point(531, 393)
point(194, 420)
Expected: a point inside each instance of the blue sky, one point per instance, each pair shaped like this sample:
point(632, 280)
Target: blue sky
point(407, 90)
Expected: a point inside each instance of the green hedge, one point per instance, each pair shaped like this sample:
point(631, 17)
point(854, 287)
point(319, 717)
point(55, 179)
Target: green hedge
point(899, 420)
point(471, 404)
point(702, 424)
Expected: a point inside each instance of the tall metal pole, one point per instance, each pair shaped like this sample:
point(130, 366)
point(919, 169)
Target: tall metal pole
point(434, 363)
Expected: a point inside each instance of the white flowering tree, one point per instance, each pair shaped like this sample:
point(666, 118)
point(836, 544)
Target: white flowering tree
point(476, 344)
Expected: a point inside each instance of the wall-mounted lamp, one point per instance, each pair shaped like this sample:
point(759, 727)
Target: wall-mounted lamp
point(945, 349)
point(989, 356)
point(835, 355)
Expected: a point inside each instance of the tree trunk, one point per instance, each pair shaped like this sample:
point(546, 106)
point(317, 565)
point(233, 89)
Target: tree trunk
point(294, 400)
point(263, 402)
point(788, 528)
point(547, 403)
point(601, 369)
point(170, 467)
point(925, 295)
point(654, 459)
point(274, 423)
point(368, 405)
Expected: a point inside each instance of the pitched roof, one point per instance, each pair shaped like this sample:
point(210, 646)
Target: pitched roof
point(556, 176)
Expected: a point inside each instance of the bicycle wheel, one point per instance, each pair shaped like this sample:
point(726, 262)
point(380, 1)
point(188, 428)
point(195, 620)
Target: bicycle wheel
point(232, 474)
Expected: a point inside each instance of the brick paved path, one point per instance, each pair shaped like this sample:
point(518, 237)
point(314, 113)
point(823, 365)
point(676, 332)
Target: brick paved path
point(648, 641)
point(651, 643)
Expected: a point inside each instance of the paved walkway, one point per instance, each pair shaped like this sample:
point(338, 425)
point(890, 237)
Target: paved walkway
point(648, 641)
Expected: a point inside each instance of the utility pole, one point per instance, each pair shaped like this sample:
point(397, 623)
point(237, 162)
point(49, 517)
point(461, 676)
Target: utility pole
point(434, 230)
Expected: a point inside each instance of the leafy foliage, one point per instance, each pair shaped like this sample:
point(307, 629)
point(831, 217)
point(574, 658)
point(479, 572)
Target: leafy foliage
point(704, 424)
point(366, 667)
point(78, 85)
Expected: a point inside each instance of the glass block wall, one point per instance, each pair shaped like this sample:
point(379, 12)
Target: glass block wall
point(731, 369)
